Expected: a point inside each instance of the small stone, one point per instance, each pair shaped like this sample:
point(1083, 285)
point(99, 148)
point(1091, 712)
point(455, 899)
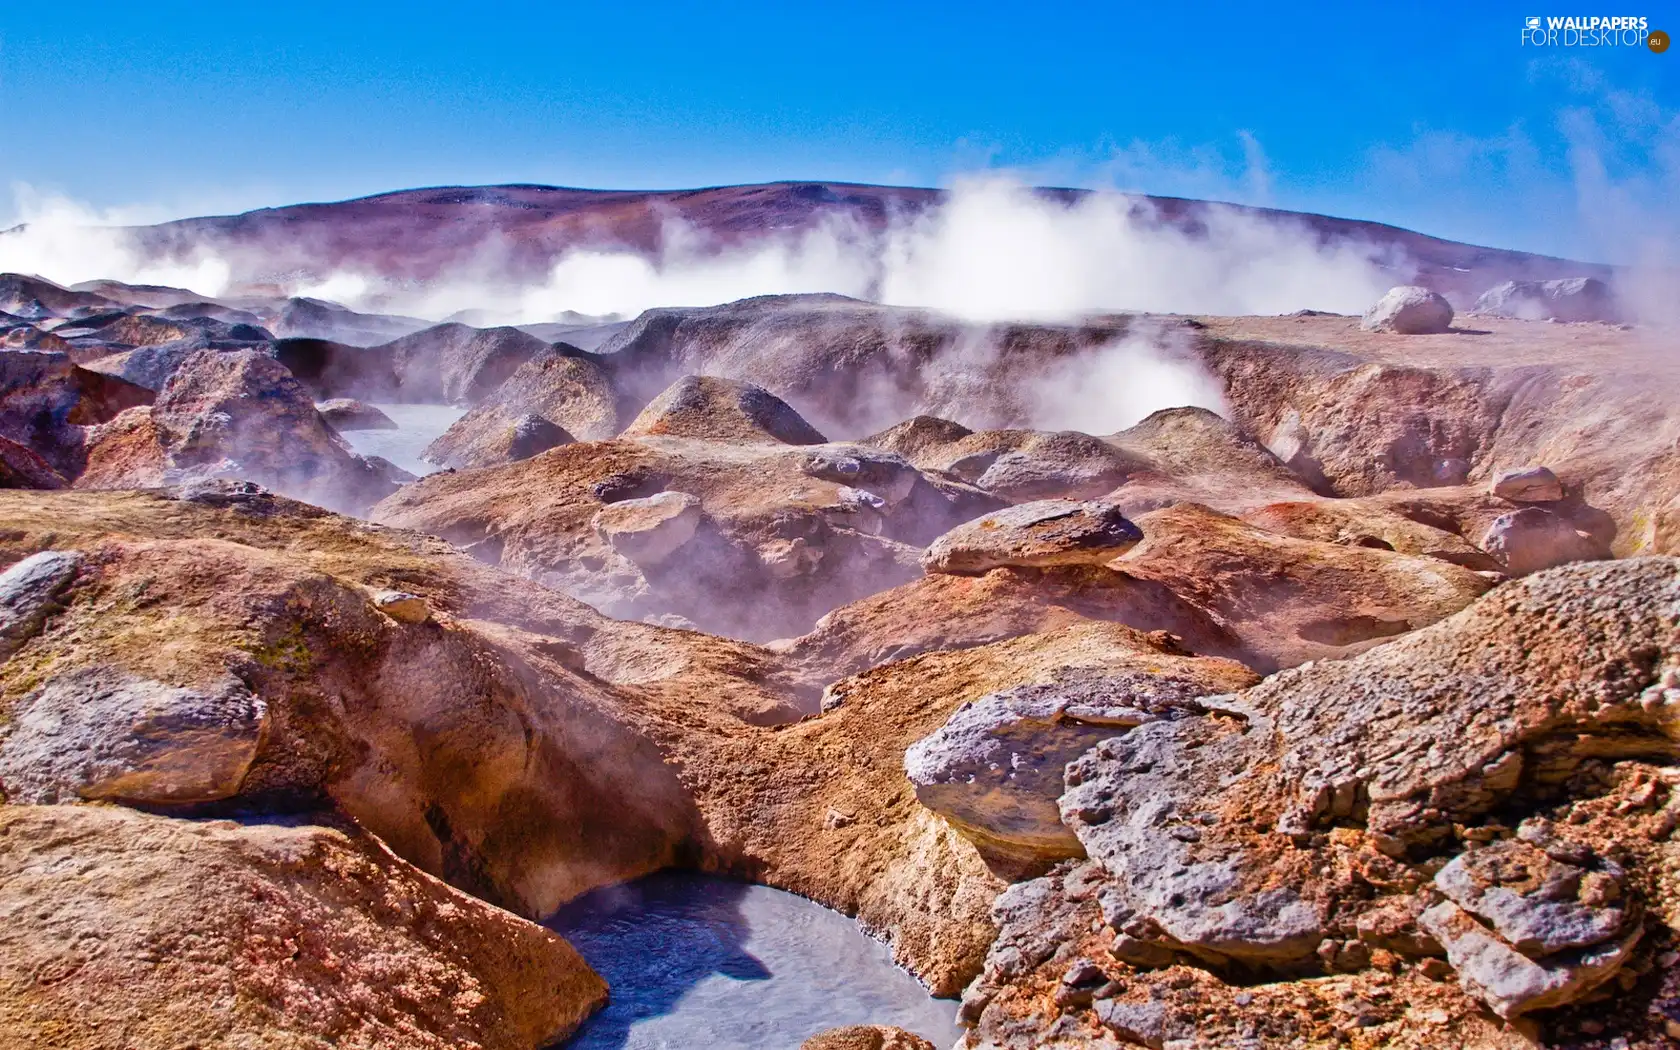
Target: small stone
point(402, 606)
point(1527, 485)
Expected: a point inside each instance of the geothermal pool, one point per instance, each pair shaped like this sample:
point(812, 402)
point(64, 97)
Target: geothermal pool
point(696, 961)
point(417, 427)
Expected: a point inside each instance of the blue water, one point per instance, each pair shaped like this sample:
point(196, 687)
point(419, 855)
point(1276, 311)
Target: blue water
point(698, 962)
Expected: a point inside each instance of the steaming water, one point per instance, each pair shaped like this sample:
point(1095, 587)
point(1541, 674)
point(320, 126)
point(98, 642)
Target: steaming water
point(695, 961)
point(417, 427)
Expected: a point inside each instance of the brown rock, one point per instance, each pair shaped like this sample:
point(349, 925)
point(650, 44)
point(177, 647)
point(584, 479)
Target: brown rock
point(866, 1037)
point(722, 410)
point(1034, 535)
point(1527, 485)
point(238, 414)
point(279, 934)
point(560, 387)
point(346, 413)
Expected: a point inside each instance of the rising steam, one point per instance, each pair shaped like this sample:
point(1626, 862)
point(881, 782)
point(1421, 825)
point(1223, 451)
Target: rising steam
point(994, 250)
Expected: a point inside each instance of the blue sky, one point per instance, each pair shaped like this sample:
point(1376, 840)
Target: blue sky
point(1432, 117)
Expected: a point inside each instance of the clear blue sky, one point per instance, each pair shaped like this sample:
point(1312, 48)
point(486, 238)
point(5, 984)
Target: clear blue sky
point(1432, 117)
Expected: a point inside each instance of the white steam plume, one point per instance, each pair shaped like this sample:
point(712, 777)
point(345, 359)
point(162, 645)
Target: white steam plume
point(994, 250)
point(68, 242)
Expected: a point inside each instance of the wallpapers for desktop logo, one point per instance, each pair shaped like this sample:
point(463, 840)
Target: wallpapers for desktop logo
point(1593, 31)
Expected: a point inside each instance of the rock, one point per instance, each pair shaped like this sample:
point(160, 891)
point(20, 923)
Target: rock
point(29, 593)
point(346, 413)
point(1060, 465)
point(1409, 310)
point(402, 606)
point(722, 410)
point(1034, 535)
point(866, 1037)
point(1534, 538)
point(238, 414)
point(994, 769)
point(1566, 299)
point(531, 435)
point(22, 468)
point(1144, 1024)
point(651, 529)
point(885, 475)
point(1527, 485)
point(1532, 901)
point(127, 929)
point(1512, 983)
point(456, 363)
point(101, 733)
point(569, 393)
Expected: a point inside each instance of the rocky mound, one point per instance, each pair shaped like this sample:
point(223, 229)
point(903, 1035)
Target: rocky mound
point(716, 409)
point(271, 933)
point(740, 534)
point(455, 363)
point(233, 415)
point(346, 413)
point(557, 392)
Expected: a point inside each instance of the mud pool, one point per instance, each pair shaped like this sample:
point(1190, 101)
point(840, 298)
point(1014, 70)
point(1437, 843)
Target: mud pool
point(417, 427)
point(696, 961)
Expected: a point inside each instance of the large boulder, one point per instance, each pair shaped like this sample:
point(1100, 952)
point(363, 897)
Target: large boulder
point(1534, 538)
point(1565, 299)
point(100, 733)
point(1409, 310)
point(29, 592)
point(125, 929)
point(650, 529)
point(1034, 535)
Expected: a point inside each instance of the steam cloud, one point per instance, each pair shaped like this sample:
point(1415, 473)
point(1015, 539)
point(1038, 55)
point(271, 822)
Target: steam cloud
point(995, 250)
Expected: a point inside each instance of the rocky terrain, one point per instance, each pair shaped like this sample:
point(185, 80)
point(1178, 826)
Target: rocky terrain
point(1339, 707)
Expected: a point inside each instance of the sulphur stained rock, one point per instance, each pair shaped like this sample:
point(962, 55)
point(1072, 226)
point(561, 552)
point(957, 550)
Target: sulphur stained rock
point(1409, 310)
point(125, 929)
point(28, 594)
point(101, 733)
point(1034, 535)
point(649, 530)
point(1547, 673)
point(1534, 538)
point(402, 606)
point(866, 1037)
point(1527, 485)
